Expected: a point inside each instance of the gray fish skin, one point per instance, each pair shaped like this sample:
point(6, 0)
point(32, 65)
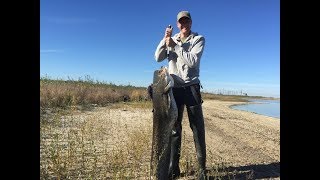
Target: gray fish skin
point(165, 115)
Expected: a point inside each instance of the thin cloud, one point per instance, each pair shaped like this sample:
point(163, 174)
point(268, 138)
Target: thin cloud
point(50, 51)
point(70, 20)
point(204, 71)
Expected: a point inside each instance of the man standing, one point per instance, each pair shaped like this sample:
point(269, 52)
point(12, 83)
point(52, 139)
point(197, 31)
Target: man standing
point(184, 51)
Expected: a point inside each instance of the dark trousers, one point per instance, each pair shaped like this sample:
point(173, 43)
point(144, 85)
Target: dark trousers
point(190, 97)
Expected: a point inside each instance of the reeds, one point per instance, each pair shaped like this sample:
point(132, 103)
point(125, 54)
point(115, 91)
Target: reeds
point(70, 93)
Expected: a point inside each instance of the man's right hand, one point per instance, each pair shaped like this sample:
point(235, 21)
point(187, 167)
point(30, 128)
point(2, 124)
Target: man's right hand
point(168, 32)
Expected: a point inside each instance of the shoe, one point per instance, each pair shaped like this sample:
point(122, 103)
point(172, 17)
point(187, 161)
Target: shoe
point(202, 175)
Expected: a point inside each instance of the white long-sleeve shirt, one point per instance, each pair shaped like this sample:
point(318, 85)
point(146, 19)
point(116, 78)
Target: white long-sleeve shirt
point(183, 59)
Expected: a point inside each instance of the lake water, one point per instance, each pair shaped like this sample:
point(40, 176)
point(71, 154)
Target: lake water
point(264, 107)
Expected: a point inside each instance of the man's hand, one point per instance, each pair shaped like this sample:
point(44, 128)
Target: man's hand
point(168, 32)
point(170, 42)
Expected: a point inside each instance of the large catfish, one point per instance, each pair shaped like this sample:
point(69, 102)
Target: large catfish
point(165, 115)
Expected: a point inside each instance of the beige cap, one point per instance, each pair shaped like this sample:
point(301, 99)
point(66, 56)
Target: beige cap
point(183, 14)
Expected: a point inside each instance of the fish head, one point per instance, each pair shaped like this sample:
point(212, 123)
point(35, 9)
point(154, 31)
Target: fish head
point(164, 79)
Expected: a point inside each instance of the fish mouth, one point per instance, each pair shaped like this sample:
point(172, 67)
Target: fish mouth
point(164, 76)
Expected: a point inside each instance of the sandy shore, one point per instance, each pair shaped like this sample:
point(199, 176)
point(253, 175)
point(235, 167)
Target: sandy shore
point(241, 137)
point(245, 142)
point(242, 140)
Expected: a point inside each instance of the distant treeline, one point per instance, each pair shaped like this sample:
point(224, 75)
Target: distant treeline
point(229, 92)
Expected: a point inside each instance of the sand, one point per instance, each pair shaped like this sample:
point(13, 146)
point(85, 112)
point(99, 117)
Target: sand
point(243, 140)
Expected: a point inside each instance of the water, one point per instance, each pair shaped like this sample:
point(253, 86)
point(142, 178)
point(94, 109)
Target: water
point(264, 107)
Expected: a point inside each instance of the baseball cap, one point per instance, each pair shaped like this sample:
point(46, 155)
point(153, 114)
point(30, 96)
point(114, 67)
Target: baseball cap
point(182, 14)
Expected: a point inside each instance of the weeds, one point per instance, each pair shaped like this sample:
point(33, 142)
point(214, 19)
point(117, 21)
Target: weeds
point(70, 93)
point(100, 147)
point(66, 94)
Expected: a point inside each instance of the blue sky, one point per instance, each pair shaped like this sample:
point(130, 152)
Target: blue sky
point(115, 41)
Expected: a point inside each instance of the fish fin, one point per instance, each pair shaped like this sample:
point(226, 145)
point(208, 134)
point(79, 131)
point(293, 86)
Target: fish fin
point(169, 101)
point(150, 91)
point(170, 83)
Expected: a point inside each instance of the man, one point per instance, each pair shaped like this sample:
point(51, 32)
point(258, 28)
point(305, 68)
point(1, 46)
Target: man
point(186, 48)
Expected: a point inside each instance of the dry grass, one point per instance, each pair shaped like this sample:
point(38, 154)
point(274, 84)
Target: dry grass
point(108, 145)
point(64, 94)
point(88, 147)
point(85, 93)
point(233, 98)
